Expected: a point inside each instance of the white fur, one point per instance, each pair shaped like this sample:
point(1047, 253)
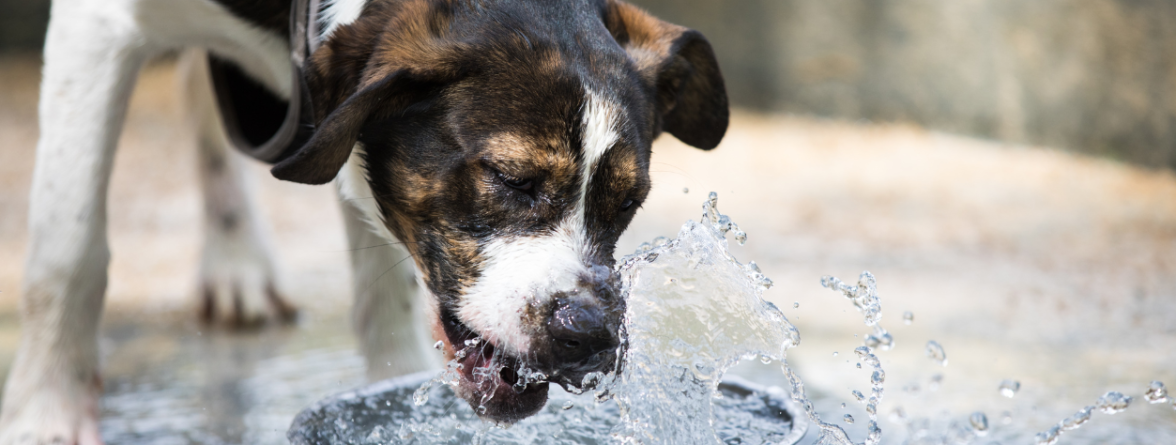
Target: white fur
point(336, 13)
point(600, 119)
point(524, 273)
point(93, 51)
point(352, 182)
point(238, 260)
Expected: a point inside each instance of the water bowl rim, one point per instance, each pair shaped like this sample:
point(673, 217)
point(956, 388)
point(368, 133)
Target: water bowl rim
point(800, 421)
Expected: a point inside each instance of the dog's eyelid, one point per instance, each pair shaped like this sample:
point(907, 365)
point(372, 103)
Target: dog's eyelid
point(512, 175)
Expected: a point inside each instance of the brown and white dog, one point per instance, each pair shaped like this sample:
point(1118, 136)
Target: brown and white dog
point(503, 144)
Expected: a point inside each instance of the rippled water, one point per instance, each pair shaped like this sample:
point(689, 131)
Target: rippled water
point(385, 413)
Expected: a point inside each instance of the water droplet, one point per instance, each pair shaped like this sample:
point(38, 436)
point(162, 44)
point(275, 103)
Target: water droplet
point(874, 434)
point(979, 422)
point(440, 344)
point(878, 377)
point(1006, 417)
point(1076, 420)
point(884, 340)
point(908, 317)
point(1156, 392)
point(859, 366)
point(848, 418)
point(1009, 388)
point(591, 379)
point(936, 381)
point(421, 395)
point(567, 405)
point(842, 405)
point(871, 408)
point(871, 341)
point(796, 305)
point(935, 351)
point(723, 224)
point(1113, 402)
point(834, 353)
point(481, 409)
point(858, 395)
point(1048, 437)
point(685, 190)
point(740, 237)
point(765, 359)
point(754, 267)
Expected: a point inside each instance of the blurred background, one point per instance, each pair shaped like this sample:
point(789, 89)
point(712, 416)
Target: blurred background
point(1003, 167)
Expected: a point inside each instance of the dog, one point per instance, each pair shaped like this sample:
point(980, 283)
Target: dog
point(503, 144)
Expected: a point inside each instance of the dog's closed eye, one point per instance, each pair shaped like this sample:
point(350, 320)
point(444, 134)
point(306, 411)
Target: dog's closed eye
point(524, 185)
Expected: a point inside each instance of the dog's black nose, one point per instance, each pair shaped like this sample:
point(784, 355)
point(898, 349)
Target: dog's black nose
point(579, 331)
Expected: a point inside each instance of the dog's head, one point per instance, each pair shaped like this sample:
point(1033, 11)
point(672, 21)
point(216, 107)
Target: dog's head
point(507, 146)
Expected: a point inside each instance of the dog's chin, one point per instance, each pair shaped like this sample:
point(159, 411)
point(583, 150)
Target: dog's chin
point(489, 383)
point(488, 379)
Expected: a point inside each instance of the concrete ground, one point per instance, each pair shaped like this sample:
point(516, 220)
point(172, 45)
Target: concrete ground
point(1024, 262)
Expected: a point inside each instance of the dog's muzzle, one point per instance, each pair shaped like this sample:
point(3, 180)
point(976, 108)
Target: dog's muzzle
point(583, 329)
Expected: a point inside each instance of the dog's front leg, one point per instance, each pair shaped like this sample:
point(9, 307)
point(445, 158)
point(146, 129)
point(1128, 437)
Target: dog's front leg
point(92, 55)
point(238, 277)
point(389, 312)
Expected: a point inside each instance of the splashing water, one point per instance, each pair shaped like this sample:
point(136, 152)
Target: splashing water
point(693, 312)
point(1112, 402)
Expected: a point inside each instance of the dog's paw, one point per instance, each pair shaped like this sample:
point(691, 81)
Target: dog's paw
point(238, 287)
point(58, 415)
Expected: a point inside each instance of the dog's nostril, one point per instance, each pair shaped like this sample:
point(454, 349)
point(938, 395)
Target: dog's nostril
point(579, 331)
point(508, 375)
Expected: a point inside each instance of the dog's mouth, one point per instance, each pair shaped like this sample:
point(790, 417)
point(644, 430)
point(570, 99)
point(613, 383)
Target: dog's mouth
point(497, 386)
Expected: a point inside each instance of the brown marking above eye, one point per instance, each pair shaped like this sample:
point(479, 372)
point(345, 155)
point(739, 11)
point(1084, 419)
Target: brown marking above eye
point(527, 164)
point(619, 183)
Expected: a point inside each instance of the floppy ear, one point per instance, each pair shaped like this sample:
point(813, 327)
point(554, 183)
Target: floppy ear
point(319, 160)
point(679, 66)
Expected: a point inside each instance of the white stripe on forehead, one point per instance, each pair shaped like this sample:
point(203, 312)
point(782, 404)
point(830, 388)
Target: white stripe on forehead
point(336, 13)
point(600, 134)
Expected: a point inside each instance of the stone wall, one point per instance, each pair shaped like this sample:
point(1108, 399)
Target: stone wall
point(1096, 76)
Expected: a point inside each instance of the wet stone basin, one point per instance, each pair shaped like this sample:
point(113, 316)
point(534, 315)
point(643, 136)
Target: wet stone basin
point(383, 413)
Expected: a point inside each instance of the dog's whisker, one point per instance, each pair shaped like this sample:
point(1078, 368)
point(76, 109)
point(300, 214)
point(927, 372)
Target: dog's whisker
point(394, 243)
point(373, 283)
